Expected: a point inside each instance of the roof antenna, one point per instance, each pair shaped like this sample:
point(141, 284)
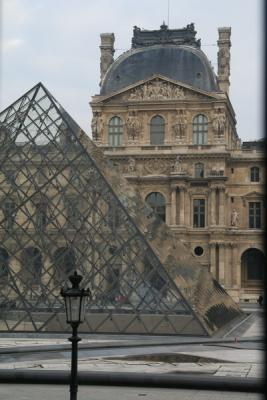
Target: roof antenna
point(168, 12)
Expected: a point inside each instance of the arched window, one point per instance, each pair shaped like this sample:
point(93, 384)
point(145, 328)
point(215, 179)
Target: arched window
point(157, 202)
point(3, 265)
point(200, 129)
point(157, 130)
point(254, 174)
point(199, 170)
point(252, 268)
point(64, 262)
point(115, 131)
point(32, 265)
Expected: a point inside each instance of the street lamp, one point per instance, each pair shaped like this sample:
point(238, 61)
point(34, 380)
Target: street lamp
point(74, 299)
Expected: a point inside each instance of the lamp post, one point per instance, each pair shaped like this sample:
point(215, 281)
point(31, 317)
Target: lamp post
point(74, 299)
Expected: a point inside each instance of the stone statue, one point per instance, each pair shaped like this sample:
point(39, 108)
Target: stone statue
point(179, 125)
point(131, 165)
point(133, 125)
point(219, 123)
point(177, 166)
point(96, 126)
point(234, 217)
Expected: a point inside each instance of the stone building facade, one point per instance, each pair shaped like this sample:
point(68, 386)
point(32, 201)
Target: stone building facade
point(165, 120)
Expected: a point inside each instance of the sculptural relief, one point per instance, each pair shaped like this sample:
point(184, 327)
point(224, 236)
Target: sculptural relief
point(179, 125)
point(156, 90)
point(234, 218)
point(177, 165)
point(156, 166)
point(219, 123)
point(134, 126)
point(131, 167)
point(97, 126)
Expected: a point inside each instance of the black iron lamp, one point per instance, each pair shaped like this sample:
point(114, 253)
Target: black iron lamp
point(75, 299)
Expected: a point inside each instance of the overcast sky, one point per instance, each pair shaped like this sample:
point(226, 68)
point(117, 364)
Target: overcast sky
point(57, 42)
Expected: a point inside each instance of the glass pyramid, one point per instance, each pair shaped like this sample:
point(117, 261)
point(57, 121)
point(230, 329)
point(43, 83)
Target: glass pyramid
point(63, 207)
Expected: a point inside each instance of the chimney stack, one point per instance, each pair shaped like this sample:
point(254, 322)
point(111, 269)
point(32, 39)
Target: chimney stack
point(224, 45)
point(107, 51)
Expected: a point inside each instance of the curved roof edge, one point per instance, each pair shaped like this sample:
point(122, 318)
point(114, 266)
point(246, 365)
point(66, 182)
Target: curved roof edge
point(137, 64)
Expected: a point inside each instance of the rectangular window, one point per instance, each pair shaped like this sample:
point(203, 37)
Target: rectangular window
point(198, 213)
point(41, 216)
point(115, 139)
point(255, 215)
point(9, 213)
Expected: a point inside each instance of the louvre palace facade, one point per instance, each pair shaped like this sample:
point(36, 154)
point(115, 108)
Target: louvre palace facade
point(164, 119)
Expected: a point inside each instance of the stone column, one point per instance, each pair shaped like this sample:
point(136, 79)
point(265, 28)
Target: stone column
point(221, 264)
point(236, 267)
point(213, 206)
point(221, 205)
point(181, 204)
point(213, 259)
point(187, 207)
point(173, 204)
point(168, 213)
point(227, 269)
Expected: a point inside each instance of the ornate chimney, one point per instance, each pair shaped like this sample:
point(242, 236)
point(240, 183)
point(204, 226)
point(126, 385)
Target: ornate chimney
point(224, 45)
point(107, 51)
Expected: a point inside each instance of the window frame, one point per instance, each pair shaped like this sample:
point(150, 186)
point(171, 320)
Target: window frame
point(115, 131)
point(200, 130)
point(254, 220)
point(255, 174)
point(200, 215)
point(157, 133)
point(156, 208)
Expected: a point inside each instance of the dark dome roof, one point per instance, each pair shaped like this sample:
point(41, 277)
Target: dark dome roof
point(181, 63)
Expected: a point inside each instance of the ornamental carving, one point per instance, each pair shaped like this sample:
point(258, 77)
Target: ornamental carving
point(179, 125)
point(131, 167)
point(156, 166)
point(219, 123)
point(97, 126)
point(156, 90)
point(234, 217)
point(133, 126)
point(177, 165)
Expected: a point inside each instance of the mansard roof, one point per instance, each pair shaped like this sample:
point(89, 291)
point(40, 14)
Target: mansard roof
point(177, 55)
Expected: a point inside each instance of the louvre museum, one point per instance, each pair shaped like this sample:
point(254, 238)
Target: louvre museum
point(162, 211)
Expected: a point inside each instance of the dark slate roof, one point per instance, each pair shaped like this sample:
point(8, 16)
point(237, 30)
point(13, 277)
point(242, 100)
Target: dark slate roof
point(255, 144)
point(182, 63)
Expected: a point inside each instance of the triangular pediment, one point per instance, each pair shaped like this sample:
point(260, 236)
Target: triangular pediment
point(157, 88)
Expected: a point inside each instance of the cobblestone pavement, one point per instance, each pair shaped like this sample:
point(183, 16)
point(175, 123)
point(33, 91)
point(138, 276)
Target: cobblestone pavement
point(234, 358)
point(61, 392)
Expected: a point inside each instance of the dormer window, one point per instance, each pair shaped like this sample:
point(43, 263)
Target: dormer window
point(157, 130)
point(200, 129)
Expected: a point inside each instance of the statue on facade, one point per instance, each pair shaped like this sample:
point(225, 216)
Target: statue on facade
point(97, 126)
point(219, 123)
point(234, 217)
point(179, 126)
point(177, 166)
point(133, 125)
point(131, 165)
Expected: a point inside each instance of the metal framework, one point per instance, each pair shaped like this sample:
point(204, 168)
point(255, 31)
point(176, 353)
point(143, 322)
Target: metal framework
point(58, 213)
